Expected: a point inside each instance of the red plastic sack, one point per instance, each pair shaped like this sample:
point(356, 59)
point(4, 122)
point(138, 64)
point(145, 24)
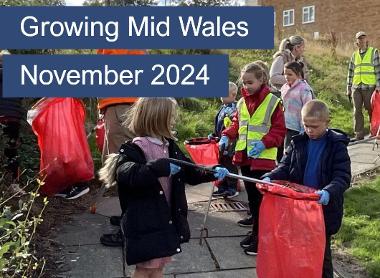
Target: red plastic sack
point(100, 133)
point(375, 120)
point(291, 232)
point(203, 151)
point(65, 154)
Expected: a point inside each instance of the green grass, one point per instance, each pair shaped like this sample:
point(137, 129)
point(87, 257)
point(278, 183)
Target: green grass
point(360, 232)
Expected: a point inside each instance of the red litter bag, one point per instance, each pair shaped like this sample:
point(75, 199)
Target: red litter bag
point(375, 119)
point(291, 232)
point(65, 154)
point(203, 151)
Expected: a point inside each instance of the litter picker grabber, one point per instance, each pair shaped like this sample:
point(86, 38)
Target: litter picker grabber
point(229, 175)
point(204, 230)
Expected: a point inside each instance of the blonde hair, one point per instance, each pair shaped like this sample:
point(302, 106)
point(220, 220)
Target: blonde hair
point(107, 174)
point(288, 44)
point(152, 117)
point(147, 117)
point(316, 109)
point(232, 87)
point(259, 69)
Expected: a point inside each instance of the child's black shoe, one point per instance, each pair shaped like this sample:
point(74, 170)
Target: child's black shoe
point(115, 220)
point(246, 222)
point(112, 240)
point(246, 242)
point(251, 250)
point(221, 192)
point(231, 194)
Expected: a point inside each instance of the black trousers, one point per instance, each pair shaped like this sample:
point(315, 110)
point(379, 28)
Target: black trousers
point(226, 161)
point(10, 139)
point(328, 271)
point(254, 195)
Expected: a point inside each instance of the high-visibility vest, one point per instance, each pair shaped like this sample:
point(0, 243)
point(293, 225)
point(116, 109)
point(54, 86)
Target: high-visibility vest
point(253, 128)
point(364, 71)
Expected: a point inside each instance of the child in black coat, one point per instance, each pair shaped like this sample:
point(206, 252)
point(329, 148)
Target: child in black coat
point(151, 189)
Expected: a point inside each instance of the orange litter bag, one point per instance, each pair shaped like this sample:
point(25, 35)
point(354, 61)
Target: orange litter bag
point(291, 232)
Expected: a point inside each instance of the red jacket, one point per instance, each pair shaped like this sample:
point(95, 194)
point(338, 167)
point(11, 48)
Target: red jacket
point(274, 138)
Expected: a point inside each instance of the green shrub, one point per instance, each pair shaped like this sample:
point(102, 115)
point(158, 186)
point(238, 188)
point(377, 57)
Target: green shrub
point(18, 223)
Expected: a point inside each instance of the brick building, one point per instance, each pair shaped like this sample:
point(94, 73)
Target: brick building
point(319, 18)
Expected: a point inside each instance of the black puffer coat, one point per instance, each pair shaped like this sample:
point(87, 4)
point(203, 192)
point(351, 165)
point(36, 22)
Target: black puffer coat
point(153, 228)
point(334, 172)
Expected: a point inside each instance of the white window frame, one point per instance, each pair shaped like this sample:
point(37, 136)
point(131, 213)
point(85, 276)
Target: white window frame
point(286, 14)
point(310, 12)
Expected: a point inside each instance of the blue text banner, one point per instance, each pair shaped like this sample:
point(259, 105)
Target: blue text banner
point(115, 76)
point(137, 27)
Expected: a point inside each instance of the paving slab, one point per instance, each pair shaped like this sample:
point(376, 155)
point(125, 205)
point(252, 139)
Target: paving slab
point(193, 258)
point(229, 254)
point(93, 261)
point(108, 206)
point(197, 193)
point(363, 158)
point(83, 229)
point(218, 223)
point(235, 273)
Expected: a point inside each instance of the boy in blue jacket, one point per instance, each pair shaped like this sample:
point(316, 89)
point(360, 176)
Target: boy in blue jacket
point(319, 159)
point(228, 187)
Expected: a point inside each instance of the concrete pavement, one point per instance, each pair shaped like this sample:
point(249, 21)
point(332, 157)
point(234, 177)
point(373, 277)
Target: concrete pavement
point(220, 255)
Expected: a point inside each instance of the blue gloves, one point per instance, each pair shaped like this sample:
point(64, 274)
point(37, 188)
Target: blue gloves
point(210, 136)
point(257, 148)
point(220, 173)
point(223, 143)
point(324, 197)
point(174, 169)
point(267, 179)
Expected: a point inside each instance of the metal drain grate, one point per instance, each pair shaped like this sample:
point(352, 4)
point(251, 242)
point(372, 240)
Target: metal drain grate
point(227, 206)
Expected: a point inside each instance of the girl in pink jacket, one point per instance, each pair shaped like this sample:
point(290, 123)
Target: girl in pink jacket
point(295, 93)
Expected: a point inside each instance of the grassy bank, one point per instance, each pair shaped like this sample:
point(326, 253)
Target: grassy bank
point(360, 232)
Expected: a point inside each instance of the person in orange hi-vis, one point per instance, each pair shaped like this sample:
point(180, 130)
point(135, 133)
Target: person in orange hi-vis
point(114, 111)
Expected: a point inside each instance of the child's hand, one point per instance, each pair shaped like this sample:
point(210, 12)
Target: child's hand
point(267, 179)
point(210, 136)
point(325, 197)
point(257, 148)
point(223, 143)
point(174, 169)
point(220, 173)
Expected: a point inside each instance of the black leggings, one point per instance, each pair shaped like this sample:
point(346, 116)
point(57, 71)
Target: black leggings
point(254, 195)
point(328, 271)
